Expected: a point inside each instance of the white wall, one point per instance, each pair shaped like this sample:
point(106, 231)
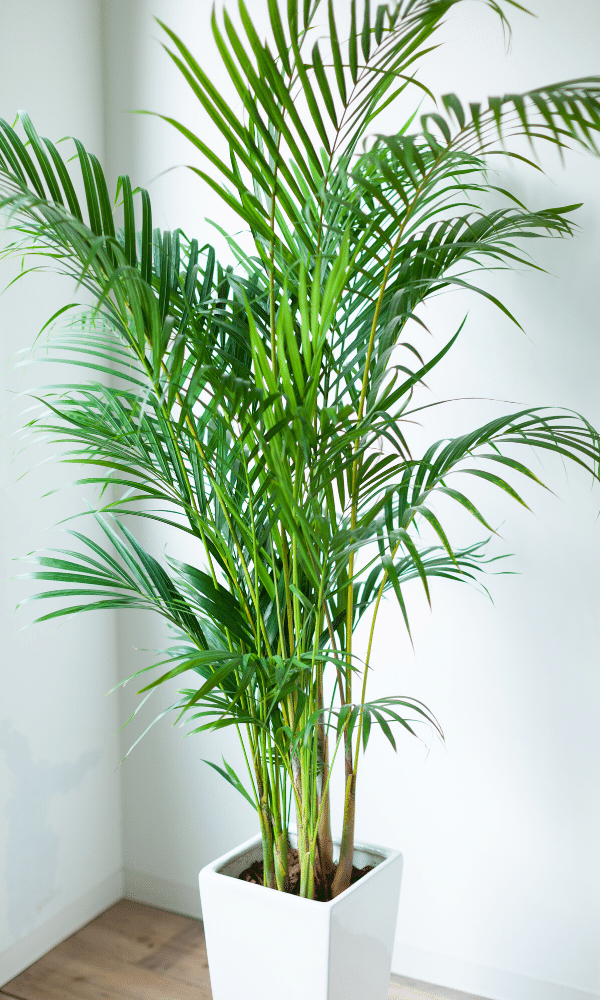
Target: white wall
point(499, 828)
point(60, 828)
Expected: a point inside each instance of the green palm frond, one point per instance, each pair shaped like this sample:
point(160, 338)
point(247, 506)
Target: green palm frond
point(266, 410)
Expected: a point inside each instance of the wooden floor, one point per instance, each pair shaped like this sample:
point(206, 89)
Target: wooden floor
point(137, 952)
point(130, 952)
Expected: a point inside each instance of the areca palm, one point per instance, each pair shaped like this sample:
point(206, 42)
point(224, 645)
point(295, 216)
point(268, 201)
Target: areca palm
point(265, 410)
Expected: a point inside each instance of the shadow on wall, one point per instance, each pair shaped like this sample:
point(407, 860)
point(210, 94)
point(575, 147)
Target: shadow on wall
point(33, 846)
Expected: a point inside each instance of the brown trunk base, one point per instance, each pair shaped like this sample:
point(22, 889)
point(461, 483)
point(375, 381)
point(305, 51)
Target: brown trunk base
point(255, 873)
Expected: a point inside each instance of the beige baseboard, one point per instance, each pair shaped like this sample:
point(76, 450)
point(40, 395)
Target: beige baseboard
point(155, 891)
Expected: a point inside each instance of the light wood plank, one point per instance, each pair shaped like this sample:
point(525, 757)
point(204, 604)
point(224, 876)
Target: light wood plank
point(400, 992)
point(54, 978)
point(125, 954)
point(147, 935)
point(140, 923)
point(183, 957)
point(411, 989)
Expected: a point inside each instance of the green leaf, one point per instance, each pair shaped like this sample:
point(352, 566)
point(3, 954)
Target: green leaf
point(91, 195)
point(352, 43)
point(366, 30)
point(336, 54)
point(41, 157)
point(230, 776)
point(124, 187)
point(19, 159)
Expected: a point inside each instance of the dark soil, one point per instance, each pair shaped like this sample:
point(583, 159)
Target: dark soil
point(255, 873)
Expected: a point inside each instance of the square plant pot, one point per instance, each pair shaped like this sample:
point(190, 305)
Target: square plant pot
point(269, 945)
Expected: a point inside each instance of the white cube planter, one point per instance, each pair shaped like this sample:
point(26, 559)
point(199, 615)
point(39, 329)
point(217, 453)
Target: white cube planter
point(269, 945)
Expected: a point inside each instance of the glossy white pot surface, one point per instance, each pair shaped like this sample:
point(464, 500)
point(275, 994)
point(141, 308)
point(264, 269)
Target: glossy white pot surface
point(269, 945)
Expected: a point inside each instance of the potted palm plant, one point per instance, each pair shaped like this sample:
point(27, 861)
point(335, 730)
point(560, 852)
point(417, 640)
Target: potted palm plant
point(264, 411)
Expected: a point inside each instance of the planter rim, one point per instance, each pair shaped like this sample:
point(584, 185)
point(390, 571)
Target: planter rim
point(388, 855)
